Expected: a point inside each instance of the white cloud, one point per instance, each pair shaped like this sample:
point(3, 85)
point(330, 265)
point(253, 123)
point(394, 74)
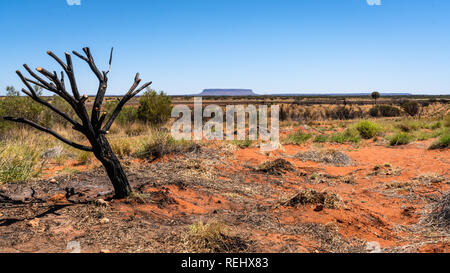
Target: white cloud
point(374, 2)
point(73, 2)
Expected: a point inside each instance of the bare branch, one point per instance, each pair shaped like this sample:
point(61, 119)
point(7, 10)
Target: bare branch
point(103, 80)
point(58, 60)
point(110, 61)
point(129, 95)
point(39, 79)
point(71, 76)
point(57, 87)
point(32, 94)
point(90, 60)
point(46, 130)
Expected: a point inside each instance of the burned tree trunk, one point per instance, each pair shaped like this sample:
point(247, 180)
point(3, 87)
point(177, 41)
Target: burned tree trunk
point(93, 127)
point(113, 168)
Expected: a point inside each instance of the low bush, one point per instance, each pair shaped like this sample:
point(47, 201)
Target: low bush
point(128, 115)
point(321, 139)
point(367, 129)
point(154, 108)
point(275, 167)
point(400, 139)
point(442, 143)
point(349, 135)
point(213, 237)
point(18, 163)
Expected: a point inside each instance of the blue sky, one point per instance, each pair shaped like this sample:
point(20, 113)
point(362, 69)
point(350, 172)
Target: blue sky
point(270, 46)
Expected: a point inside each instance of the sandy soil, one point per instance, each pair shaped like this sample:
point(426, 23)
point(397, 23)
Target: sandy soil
point(384, 197)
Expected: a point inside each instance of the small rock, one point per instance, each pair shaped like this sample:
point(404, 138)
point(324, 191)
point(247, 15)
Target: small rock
point(53, 180)
point(104, 251)
point(33, 223)
point(3, 189)
point(101, 202)
point(104, 220)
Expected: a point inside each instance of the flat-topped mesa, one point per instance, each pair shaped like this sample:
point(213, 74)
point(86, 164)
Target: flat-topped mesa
point(227, 92)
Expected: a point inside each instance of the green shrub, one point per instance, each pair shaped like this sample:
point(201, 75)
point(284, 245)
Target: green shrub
point(297, 138)
point(349, 135)
point(400, 139)
point(436, 125)
point(18, 163)
point(321, 138)
point(128, 115)
point(154, 108)
point(442, 143)
point(50, 118)
point(367, 129)
point(242, 143)
point(17, 106)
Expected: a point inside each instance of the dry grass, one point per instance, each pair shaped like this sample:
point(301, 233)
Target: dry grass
point(213, 237)
point(161, 143)
point(309, 196)
point(440, 215)
point(275, 167)
point(329, 156)
point(395, 185)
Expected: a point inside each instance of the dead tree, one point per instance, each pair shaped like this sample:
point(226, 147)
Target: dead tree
point(94, 127)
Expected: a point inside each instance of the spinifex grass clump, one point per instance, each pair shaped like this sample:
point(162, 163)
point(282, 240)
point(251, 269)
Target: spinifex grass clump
point(401, 139)
point(321, 139)
point(242, 143)
point(367, 129)
point(18, 163)
point(297, 138)
point(161, 143)
point(443, 142)
point(213, 237)
point(276, 167)
point(440, 215)
point(329, 156)
point(309, 196)
point(349, 135)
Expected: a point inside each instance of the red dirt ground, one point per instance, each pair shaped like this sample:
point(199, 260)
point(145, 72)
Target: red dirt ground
point(376, 206)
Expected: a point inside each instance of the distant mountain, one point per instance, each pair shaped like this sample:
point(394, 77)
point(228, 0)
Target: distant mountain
point(338, 94)
point(227, 92)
